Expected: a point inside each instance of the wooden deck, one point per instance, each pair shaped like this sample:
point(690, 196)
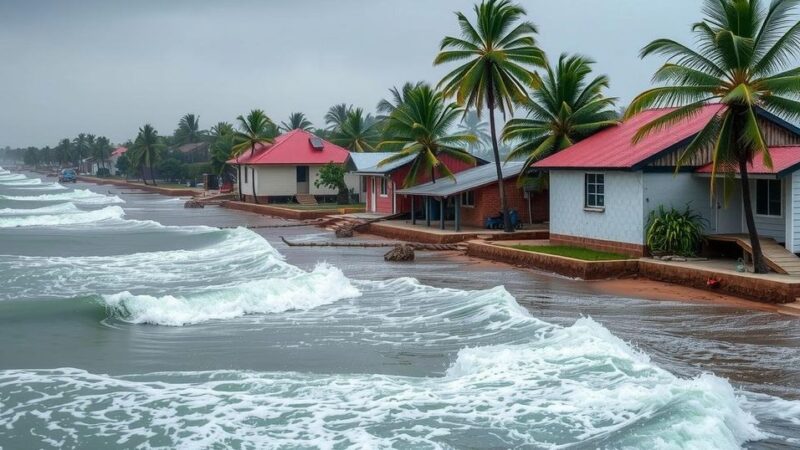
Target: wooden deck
point(776, 256)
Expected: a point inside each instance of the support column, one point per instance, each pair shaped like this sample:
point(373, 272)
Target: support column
point(427, 211)
point(441, 213)
point(413, 212)
point(458, 212)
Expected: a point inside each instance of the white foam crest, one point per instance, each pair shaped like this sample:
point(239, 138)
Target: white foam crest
point(12, 176)
point(20, 182)
point(573, 387)
point(45, 220)
point(301, 291)
point(80, 196)
point(61, 208)
point(237, 255)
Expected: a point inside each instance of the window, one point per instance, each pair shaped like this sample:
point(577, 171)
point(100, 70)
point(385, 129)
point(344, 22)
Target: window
point(302, 174)
point(595, 192)
point(768, 197)
point(468, 199)
point(384, 187)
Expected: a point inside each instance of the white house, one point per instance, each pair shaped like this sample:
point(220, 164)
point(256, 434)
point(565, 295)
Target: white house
point(286, 169)
point(603, 188)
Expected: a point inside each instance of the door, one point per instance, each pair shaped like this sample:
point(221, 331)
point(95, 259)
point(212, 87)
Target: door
point(373, 194)
point(302, 179)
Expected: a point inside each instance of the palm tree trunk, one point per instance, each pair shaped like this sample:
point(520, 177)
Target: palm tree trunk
point(507, 227)
point(144, 178)
point(759, 266)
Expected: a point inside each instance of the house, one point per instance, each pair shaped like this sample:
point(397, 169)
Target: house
point(286, 169)
point(112, 160)
point(474, 195)
point(603, 188)
point(380, 183)
point(194, 152)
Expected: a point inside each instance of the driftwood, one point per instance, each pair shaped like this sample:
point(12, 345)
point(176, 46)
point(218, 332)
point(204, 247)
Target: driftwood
point(413, 245)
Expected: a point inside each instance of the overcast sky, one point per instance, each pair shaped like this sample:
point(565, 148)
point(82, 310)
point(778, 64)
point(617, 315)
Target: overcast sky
point(108, 66)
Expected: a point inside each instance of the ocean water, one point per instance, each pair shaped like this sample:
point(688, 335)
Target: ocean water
point(123, 332)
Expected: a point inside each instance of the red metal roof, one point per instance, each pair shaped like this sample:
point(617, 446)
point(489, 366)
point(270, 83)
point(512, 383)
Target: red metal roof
point(613, 148)
point(293, 148)
point(119, 151)
point(784, 159)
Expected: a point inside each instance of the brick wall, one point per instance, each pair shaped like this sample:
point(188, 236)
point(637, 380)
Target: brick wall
point(487, 203)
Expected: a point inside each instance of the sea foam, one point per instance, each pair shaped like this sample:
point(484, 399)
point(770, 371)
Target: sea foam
point(80, 196)
point(71, 218)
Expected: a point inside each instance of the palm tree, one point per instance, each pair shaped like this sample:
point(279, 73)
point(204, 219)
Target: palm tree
point(741, 60)
point(398, 96)
point(357, 133)
point(221, 129)
point(255, 129)
point(336, 115)
point(472, 124)
point(80, 148)
point(101, 150)
point(188, 131)
point(420, 126)
point(297, 121)
point(565, 108)
point(498, 53)
point(221, 149)
point(146, 150)
point(64, 152)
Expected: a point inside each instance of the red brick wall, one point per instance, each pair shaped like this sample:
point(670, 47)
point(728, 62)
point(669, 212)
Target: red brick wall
point(487, 203)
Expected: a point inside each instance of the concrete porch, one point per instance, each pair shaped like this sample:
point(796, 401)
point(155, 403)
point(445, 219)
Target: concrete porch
point(405, 230)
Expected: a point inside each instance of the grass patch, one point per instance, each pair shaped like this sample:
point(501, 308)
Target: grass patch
point(318, 207)
point(584, 254)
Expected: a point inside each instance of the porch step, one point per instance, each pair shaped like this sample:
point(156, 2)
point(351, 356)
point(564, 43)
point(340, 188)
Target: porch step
point(306, 199)
point(776, 256)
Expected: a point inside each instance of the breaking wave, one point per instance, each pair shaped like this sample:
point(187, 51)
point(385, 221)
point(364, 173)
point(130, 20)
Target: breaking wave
point(61, 208)
point(20, 181)
point(72, 218)
point(80, 196)
point(8, 176)
point(577, 385)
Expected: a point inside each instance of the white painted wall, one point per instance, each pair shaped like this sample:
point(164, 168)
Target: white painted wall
point(792, 202)
point(677, 190)
point(623, 218)
point(282, 181)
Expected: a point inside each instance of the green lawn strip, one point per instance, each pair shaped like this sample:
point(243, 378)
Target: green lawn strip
point(584, 254)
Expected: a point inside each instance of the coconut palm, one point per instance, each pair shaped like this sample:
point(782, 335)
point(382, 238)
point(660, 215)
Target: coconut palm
point(357, 133)
point(420, 127)
point(336, 115)
point(221, 129)
point(297, 121)
point(495, 57)
point(63, 152)
point(741, 63)
point(80, 148)
point(101, 150)
point(188, 131)
point(564, 108)
point(146, 151)
point(398, 96)
point(472, 124)
point(254, 130)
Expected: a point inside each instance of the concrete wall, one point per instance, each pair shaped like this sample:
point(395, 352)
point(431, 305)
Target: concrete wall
point(282, 181)
point(623, 217)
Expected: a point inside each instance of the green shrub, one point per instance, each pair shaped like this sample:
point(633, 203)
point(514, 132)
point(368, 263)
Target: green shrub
point(103, 172)
point(675, 232)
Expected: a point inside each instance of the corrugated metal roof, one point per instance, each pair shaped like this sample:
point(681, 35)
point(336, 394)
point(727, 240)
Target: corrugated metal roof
point(613, 148)
point(784, 160)
point(369, 163)
point(465, 181)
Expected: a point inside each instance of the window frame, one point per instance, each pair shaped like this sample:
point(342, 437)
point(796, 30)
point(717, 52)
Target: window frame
point(769, 183)
point(596, 206)
point(465, 197)
point(384, 187)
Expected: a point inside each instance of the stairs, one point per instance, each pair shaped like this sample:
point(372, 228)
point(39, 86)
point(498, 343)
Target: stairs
point(776, 256)
point(306, 199)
